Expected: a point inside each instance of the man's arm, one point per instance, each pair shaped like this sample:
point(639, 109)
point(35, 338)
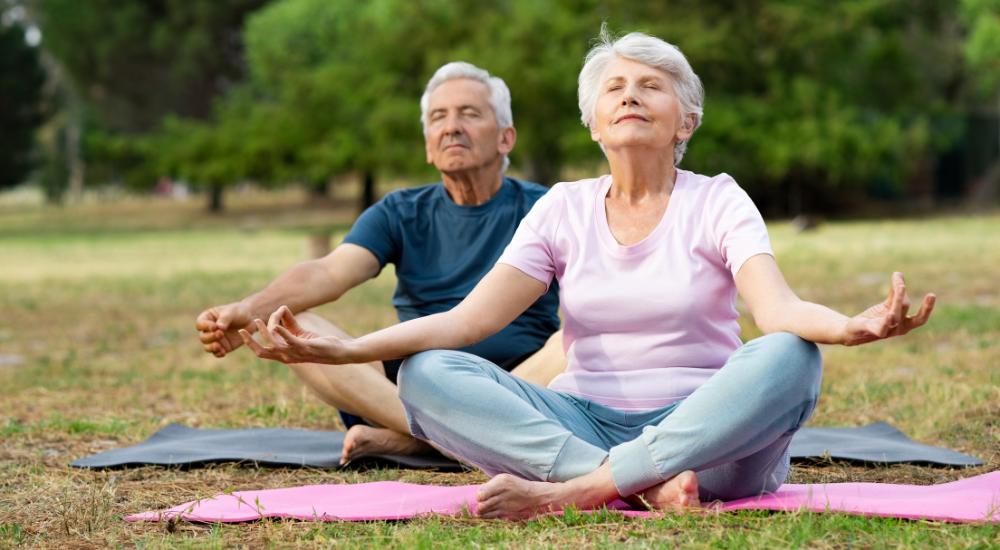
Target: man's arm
point(503, 294)
point(303, 286)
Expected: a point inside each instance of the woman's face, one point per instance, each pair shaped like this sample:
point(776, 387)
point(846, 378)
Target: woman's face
point(636, 106)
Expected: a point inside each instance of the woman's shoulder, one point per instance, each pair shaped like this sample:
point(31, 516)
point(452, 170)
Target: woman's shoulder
point(720, 187)
point(579, 189)
point(706, 183)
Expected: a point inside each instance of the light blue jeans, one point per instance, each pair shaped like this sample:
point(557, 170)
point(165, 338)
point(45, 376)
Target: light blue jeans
point(734, 430)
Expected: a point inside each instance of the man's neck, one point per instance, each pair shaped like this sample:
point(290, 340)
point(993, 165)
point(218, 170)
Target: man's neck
point(472, 187)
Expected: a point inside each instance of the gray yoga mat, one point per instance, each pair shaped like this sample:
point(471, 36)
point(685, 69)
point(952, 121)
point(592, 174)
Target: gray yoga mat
point(877, 443)
point(177, 445)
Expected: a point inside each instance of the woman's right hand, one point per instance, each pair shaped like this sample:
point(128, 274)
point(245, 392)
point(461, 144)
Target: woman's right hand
point(286, 341)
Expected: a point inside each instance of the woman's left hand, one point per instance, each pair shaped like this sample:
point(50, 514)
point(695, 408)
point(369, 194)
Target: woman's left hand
point(889, 318)
point(286, 341)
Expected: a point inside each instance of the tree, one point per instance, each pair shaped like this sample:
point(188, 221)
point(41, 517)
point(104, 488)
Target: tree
point(21, 81)
point(982, 53)
point(137, 62)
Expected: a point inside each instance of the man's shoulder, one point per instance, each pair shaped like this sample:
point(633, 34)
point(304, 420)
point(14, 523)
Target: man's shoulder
point(528, 187)
point(409, 195)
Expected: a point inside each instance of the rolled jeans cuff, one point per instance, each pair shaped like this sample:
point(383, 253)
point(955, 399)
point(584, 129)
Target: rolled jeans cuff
point(632, 467)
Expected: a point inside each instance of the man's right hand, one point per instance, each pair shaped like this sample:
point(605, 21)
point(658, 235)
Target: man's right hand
point(218, 327)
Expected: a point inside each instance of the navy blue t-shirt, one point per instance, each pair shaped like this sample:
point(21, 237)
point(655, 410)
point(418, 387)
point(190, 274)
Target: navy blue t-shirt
point(441, 250)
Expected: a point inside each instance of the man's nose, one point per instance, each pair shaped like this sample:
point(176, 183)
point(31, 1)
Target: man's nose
point(452, 125)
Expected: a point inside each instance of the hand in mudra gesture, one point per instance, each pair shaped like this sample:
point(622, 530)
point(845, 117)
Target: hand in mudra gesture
point(284, 340)
point(889, 318)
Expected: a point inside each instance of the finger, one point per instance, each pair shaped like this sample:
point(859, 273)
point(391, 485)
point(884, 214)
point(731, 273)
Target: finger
point(287, 336)
point(898, 295)
point(205, 320)
point(924, 313)
point(275, 318)
point(288, 319)
point(276, 340)
point(225, 319)
point(251, 343)
point(208, 337)
point(265, 334)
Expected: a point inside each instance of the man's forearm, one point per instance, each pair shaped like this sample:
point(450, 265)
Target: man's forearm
point(303, 286)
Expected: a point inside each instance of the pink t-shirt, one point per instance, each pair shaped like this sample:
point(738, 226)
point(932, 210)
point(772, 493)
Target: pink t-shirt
point(646, 324)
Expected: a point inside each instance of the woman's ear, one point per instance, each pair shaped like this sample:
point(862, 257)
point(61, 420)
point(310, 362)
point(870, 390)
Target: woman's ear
point(686, 130)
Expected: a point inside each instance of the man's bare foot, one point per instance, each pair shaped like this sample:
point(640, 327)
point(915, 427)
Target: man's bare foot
point(510, 497)
point(363, 440)
point(674, 495)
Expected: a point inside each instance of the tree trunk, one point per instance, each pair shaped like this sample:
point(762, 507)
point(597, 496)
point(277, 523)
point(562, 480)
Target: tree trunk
point(74, 154)
point(320, 190)
point(215, 192)
point(545, 168)
point(367, 189)
point(318, 244)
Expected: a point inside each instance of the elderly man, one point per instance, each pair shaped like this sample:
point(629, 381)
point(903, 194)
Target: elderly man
point(442, 238)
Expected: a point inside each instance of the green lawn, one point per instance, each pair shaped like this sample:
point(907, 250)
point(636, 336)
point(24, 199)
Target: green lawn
point(97, 350)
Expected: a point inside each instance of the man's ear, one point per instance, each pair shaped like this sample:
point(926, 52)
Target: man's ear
point(506, 140)
point(427, 149)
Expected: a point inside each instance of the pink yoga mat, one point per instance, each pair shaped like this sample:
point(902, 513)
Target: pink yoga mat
point(976, 499)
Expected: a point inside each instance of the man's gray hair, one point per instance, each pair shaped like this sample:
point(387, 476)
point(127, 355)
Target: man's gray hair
point(653, 52)
point(499, 93)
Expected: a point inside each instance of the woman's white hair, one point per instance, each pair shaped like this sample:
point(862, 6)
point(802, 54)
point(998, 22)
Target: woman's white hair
point(653, 52)
point(499, 93)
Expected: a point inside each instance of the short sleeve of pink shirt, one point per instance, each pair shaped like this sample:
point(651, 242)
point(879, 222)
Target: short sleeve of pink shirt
point(644, 324)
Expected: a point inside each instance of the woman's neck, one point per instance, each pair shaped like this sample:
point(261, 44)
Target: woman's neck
point(640, 174)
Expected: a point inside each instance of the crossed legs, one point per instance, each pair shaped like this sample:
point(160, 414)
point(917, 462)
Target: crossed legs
point(728, 439)
point(363, 390)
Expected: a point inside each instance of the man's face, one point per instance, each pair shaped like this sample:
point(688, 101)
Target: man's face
point(462, 131)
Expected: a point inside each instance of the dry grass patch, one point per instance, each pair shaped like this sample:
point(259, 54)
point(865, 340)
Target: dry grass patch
point(97, 350)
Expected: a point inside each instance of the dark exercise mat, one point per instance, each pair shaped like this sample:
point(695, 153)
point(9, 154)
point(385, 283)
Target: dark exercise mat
point(875, 443)
point(177, 445)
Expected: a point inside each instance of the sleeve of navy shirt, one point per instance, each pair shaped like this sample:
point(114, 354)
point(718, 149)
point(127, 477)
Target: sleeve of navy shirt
point(441, 250)
point(376, 231)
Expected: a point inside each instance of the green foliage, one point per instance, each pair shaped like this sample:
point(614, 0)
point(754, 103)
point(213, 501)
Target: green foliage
point(142, 63)
point(138, 61)
point(982, 47)
point(803, 98)
point(21, 80)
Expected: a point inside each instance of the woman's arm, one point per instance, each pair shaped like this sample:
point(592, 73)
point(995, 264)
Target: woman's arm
point(502, 295)
point(776, 308)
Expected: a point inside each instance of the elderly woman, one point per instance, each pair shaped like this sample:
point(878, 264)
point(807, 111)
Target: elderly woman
point(660, 400)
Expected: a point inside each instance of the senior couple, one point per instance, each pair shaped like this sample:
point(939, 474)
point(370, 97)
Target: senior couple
point(647, 393)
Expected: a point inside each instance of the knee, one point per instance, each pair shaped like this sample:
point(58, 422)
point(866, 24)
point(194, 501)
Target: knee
point(418, 371)
point(429, 373)
point(793, 361)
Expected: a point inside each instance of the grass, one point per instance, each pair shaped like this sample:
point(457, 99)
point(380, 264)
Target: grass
point(96, 311)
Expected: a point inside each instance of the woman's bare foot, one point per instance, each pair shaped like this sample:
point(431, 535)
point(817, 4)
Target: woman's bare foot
point(363, 440)
point(674, 495)
point(510, 497)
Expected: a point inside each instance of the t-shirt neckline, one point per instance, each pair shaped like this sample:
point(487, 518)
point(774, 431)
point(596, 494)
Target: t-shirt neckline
point(506, 186)
point(649, 241)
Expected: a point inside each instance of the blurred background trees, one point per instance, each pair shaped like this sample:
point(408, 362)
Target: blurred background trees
point(21, 80)
point(813, 106)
